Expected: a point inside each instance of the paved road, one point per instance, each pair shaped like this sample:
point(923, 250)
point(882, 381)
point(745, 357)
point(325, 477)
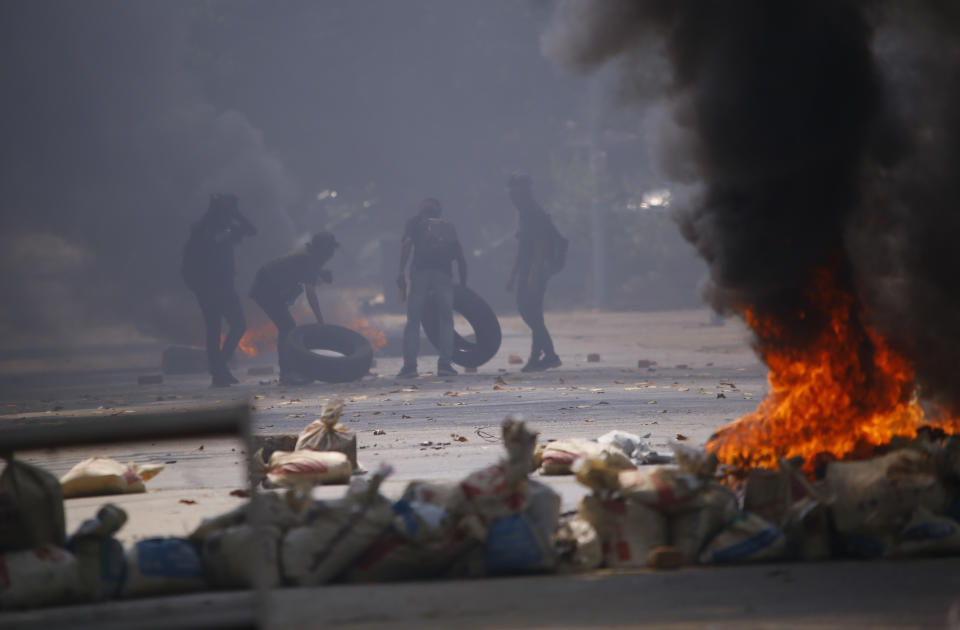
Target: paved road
point(694, 363)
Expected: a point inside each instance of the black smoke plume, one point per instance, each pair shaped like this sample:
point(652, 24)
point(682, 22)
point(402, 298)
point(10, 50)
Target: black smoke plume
point(825, 136)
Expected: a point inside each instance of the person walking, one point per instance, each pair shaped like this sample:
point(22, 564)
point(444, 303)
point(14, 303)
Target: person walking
point(541, 252)
point(435, 246)
point(208, 270)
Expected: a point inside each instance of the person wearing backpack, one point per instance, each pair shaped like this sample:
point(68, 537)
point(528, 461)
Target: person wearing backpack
point(208, 270)
point(541, 253)
point(435, 246)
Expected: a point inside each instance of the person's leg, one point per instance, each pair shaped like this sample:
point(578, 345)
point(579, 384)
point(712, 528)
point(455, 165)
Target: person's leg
point(411, 332)
point(211, 310)
point(442, 285)
point(233, 313)
point(544, 341)
point(526, 306)
point(279, 314)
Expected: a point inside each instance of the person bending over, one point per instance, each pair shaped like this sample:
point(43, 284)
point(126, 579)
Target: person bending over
point(280, 282)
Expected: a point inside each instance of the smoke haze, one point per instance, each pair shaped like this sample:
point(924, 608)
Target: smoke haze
point(824, 135)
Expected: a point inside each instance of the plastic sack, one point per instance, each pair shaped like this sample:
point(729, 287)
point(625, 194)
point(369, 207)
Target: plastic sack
point(628, 530)
point(306, 468)
point(522, 542)
point(327, 434)
point(31, 508)
point(631, 444)
point(100, 556)
point(38, 577)
point(102, 475)
point(880, 495)
point(927, 533)
point(277, 511)
point(559, 456)
point(336, 533)
point(157, 566)
point(749, 538)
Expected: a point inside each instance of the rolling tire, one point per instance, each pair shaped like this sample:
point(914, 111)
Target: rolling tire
point(486, 337)
point(354, 365)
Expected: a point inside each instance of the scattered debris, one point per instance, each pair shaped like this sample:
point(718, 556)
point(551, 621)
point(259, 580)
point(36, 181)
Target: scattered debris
point(379, 432)
point(187, 501)
point(593, 357)
point(644, 363)
point(515, 359)
point(240, 492)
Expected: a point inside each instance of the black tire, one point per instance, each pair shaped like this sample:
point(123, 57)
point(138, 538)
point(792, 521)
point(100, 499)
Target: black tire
point(357, 351)
point(486, 336)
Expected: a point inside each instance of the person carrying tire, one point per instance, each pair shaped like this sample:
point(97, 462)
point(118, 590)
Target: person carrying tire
point(541, 252)
point(435, 246)
point(208, 270)
point(280, 282)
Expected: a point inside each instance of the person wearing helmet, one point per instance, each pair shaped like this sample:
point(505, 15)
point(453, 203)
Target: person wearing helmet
point(280, 282)
point(435, 246)
point(538, 256)
point(208, 270)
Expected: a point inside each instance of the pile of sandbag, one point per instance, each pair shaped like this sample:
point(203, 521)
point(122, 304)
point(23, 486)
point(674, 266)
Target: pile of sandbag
point(325, 453)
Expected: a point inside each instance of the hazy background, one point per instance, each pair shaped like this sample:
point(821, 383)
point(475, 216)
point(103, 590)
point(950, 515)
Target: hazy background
point(120, 117)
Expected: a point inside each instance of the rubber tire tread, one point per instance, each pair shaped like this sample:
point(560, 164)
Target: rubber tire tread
point(486, 328)
point(354, 365)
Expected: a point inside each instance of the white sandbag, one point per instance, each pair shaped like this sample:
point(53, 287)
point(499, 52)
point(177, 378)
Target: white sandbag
point(559, 456)
point(157, 566)
point(879, 496)
point(668, 490)
point(306, 468)
point(631, 444)
point(327, 434)
point(102, 475)
point(628, 530)
point(336, 533)
point(38, 577)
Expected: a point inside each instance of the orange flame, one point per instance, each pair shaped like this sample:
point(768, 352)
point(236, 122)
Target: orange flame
point(843, 394)
point(377, 338)
point(262, 337)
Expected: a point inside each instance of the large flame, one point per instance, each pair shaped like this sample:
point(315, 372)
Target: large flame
point(840, 396)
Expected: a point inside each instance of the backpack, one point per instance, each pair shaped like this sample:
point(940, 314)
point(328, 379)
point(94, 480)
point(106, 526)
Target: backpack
point(439, 238)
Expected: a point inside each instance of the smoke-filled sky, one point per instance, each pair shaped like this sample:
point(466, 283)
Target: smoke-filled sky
point(824, 135)
point(120, 117)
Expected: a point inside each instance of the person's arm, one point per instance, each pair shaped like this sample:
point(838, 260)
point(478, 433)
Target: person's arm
point(311, 290)
point(461, 265)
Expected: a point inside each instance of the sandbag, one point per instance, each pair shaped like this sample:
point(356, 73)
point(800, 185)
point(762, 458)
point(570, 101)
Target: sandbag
point(38, 577)
point(101, 475)
point(305, 468)
point(327, 434)
point(522, 542)
point(628, 530)
point(667, 490)
point(336, 533)
point(749, 538)
point(559, 456)
point(31, 508)
point(927, 533)
point(160, 566)
point(714, 508)
point(879, 496)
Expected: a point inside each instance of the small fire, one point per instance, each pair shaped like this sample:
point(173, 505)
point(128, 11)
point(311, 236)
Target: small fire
point(377, 338)
point(840, 396)
point(262, 337)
